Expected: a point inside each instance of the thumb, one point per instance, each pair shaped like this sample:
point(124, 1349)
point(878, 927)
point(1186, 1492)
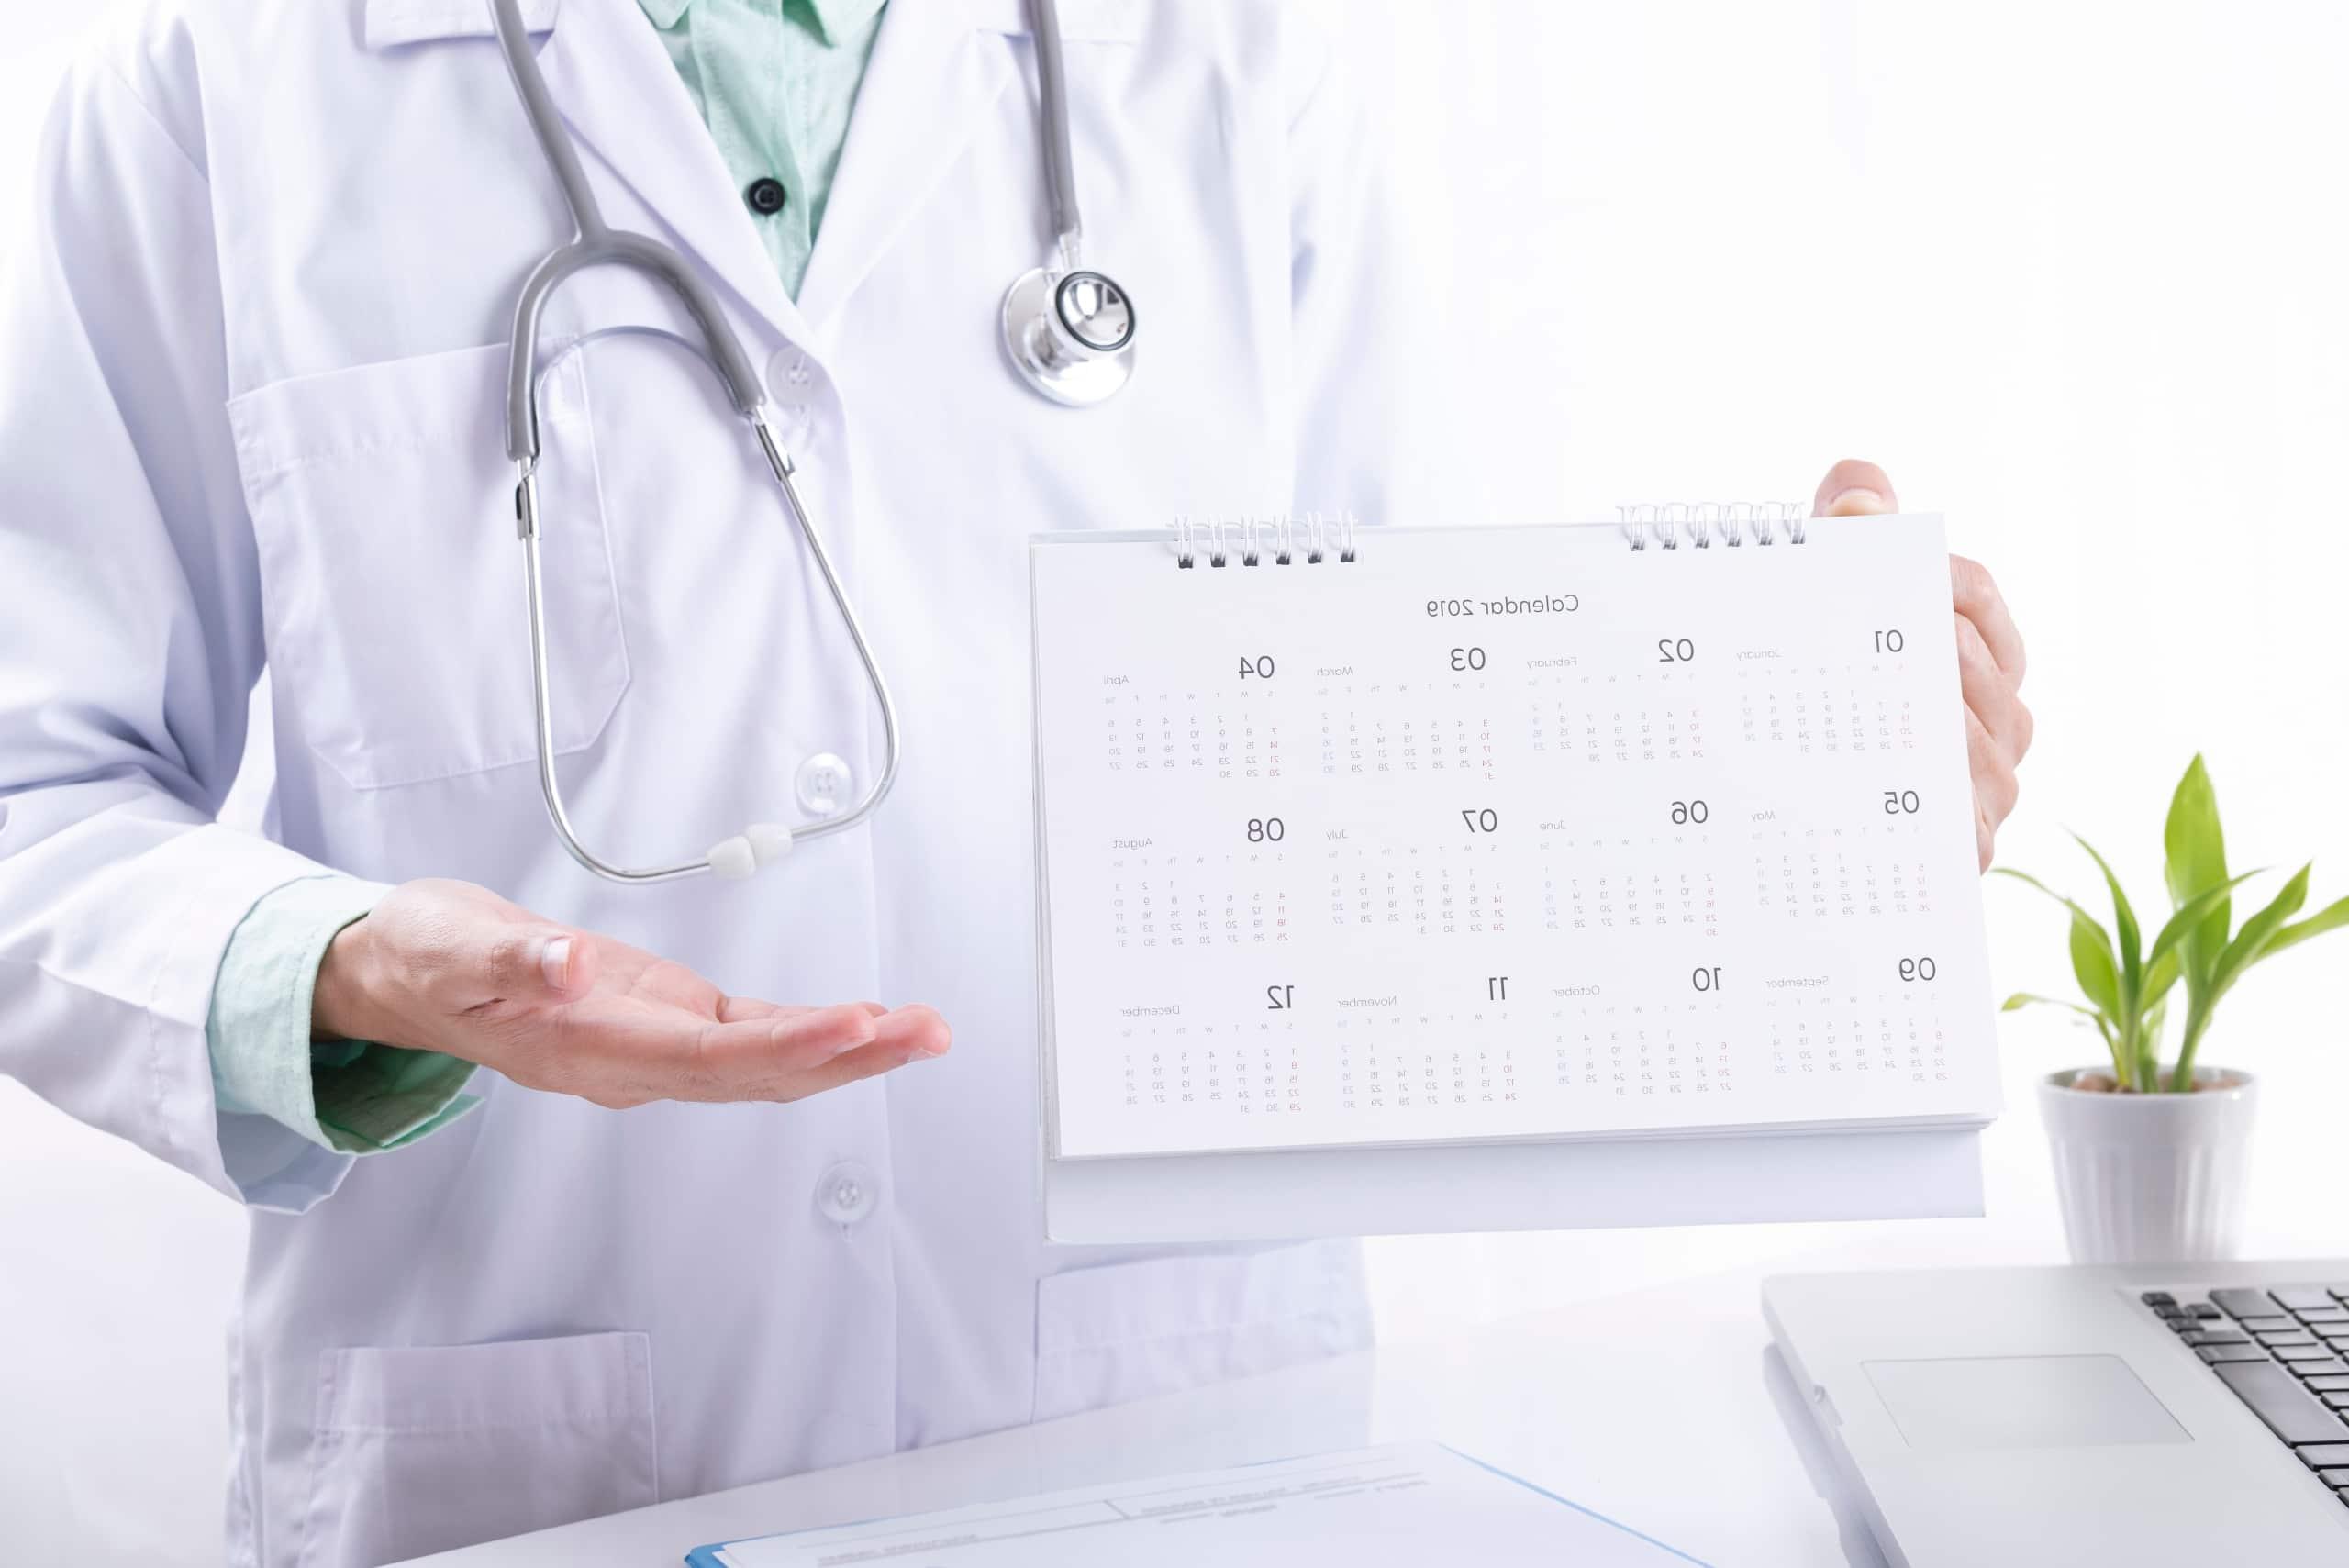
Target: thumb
point(536, 964)
point(1853, 488)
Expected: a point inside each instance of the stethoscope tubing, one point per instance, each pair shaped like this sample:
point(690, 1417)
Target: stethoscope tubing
point(595, 242)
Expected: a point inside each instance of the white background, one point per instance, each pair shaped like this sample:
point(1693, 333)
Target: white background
point(2073, 273)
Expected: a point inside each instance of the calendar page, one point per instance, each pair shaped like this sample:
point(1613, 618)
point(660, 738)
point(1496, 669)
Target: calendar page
point(1505, 833)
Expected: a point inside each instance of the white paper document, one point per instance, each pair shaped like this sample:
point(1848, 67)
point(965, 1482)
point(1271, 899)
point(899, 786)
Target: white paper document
point(1406, 1505)
point(1505, 834)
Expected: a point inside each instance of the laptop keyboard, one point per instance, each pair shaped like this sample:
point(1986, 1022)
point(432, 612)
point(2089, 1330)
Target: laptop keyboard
point(2285, 1352)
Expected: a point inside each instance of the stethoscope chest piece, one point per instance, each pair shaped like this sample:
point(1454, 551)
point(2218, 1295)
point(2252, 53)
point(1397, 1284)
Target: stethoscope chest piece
point(1070, 334)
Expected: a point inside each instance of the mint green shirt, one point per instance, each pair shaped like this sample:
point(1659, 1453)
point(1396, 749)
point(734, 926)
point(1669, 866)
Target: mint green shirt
point(774, 80)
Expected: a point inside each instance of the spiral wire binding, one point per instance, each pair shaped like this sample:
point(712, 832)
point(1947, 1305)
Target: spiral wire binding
point(1280, 537)
point(1667, 523)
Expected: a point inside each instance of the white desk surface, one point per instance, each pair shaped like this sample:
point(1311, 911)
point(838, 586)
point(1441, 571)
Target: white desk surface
point(1650, 1407)
point(1663, 1409)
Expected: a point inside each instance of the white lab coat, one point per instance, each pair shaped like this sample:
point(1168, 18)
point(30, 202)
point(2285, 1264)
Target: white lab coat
point(250, 395)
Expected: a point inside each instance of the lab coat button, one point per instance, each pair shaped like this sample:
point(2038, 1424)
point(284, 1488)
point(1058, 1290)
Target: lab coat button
point(847, 1193)
point(823, 786)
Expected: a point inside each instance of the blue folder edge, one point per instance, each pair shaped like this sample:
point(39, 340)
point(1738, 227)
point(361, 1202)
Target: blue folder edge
point(707, 1556)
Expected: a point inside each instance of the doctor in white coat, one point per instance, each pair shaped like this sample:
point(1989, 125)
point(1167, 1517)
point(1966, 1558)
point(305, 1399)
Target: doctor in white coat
point(250, 420)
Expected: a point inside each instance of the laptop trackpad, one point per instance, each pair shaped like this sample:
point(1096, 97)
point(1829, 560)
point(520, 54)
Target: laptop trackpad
point(1967, 1403)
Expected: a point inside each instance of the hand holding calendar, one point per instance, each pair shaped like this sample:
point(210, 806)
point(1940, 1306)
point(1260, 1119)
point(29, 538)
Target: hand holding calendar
point(1989, 654)
point(1451, 836)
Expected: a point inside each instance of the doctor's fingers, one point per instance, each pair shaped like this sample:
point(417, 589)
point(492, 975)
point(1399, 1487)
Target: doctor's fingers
point(1852, 488)
point(735, 1009)
point(1990, 694)
point(1995, 786)
point(790, 1058)
point(1973, 594)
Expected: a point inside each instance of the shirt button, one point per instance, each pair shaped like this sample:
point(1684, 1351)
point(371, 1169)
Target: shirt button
point(766, 195)
point(847, 1193)
point(822, 785)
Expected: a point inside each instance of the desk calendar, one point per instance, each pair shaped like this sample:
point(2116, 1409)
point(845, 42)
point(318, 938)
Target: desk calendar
point(1434, 837)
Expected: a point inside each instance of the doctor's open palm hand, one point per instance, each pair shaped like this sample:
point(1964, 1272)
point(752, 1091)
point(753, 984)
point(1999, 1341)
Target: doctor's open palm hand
point(448, 966)
point(1989, 655)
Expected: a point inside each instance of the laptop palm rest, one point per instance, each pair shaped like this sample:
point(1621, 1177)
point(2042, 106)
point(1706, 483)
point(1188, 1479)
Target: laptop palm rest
point(1971, 1404)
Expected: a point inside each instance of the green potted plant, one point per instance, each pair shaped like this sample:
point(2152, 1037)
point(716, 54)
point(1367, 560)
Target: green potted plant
point(2151, 1157)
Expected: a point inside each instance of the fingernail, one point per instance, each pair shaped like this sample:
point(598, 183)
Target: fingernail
point(1861, 498)
point(924, 1052)
point(554, 962)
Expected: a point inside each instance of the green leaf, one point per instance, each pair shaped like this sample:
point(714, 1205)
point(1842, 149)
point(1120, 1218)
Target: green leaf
point(2196, 858)
point(2092, 961)
point(2030, 880)
point(2125, 926)
point(2330, 917)
point(2160, 975)
point(2022, 999)
point(2093, 965)
point(2174, 928)
point(2257, 932)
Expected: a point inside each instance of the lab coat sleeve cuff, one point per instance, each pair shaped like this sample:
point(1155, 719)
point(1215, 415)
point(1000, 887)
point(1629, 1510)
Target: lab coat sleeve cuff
point(341, 1098)
point(387, 1097)
point(258, 1027)
point(346, 1098)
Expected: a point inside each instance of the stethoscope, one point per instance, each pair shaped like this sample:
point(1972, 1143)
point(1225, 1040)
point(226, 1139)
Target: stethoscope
point(1068, 331)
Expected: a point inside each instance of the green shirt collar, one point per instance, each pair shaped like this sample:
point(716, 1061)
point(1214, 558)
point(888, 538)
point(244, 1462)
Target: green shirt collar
point(829, 20)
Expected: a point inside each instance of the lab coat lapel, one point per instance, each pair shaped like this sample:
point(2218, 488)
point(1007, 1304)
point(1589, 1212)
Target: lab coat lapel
point(614, 83)
point(928, 87)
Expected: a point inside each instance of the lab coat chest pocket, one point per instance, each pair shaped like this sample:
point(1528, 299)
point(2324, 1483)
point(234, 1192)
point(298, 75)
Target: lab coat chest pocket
point(382, 510)
point(423, 1449)
point(1121, 1331)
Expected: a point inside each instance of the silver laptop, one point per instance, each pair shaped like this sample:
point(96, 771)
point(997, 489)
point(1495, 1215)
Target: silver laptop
point(2192, 1415)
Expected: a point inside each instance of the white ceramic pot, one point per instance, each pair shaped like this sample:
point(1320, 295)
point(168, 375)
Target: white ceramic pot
point(2151, 1178)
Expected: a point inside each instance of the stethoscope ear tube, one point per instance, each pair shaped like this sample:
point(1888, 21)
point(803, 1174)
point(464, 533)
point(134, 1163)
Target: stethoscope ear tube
point(1051, 345)
point(1060, 162)
point(616, 246)
point(595, 243)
